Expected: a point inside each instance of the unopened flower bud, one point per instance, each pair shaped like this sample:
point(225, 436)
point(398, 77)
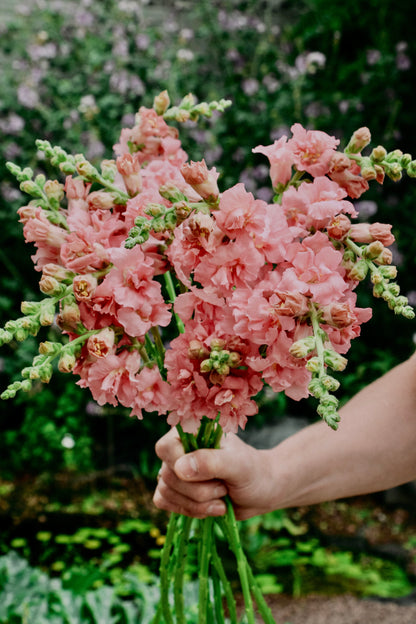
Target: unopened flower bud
point(388, 272)
point(376, 277)
point(330, 383)
point(101, 200)
point(217, 344)
point(358, 271)
point(108, 169)
point(411, 169)
point(49, 348)
point(339, 162)
point(45, 373)
point(313, 365)
point(378, 154)
point(66, 362)
point(129, 167)
point(205, 366)
point(171, 192)
point(360, 139)
point(373, 250)
point(301, 348)
point(378, 290)
point(50, 286)
point(197, 350)
point(69, 317)
point(197, 175)
point(385, 257)
point(47, 313)
point(54, 190)
point(405, 160)
point(394, 289)
point(161, 102)
point(86, 169)
point(234, 359)
point(31, 188)
point(29, 307)
point(182, 210)
point(57, 271)
point(394, 171)
point(334, 360)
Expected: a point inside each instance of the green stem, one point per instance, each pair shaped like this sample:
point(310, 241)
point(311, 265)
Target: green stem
point(164, 568)
point(180, 547)
point(203, 603)
point(230, 530)
point(234, 539)
point(229, 596)
point(170, 287)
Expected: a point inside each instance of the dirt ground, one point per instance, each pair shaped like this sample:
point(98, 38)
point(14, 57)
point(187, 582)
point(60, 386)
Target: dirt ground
point(341, 610)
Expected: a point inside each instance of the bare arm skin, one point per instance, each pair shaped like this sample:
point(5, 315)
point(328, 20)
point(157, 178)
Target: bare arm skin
point(374, 449)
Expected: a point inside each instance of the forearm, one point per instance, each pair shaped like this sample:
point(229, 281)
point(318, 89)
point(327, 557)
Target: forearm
point(373, 449)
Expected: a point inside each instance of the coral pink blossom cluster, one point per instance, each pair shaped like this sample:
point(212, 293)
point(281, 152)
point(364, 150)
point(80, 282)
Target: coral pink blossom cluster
point(249, 274)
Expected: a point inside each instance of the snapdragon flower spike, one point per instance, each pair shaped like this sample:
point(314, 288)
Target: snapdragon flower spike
point(189, 110)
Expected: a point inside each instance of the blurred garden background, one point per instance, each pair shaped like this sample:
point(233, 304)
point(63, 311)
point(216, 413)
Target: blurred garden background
point(79, 538)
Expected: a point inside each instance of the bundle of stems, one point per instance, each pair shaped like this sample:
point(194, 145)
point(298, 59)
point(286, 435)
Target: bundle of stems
point(216, 601)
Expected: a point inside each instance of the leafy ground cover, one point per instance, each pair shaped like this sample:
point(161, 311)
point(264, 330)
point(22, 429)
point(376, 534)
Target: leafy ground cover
point(108, 527)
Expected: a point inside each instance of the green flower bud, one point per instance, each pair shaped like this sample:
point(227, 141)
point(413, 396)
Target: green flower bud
point(334, 360)
point(45, 373)
point(378, 290)
point(301, 348)
point(378, 154)
point(29, 187)
point(29, 307)
point(330, 383)
point(206, 366)
point(5, 337)
point(359, 270)
point(313, 365)
point(411, 169)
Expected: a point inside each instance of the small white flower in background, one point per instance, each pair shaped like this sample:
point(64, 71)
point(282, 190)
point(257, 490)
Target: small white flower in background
point(68, 441)
point(184, 54)
point(310, 62)
point(88, 107)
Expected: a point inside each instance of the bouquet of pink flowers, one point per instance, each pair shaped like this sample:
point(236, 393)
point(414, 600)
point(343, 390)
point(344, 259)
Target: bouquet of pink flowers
point(256, 293)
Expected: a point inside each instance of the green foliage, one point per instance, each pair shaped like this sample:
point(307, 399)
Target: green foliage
point(299, 565)
point(29, 595)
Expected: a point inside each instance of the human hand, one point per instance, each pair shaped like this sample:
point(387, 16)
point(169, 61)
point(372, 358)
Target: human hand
point(195, 483)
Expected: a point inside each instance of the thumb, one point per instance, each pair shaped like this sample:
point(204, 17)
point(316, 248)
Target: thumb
point(205, 464)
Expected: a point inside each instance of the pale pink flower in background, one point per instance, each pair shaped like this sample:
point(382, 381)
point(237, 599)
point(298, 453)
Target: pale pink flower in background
point(312, 150)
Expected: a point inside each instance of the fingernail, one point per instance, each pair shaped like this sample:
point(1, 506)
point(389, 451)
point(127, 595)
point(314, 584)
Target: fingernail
point(216, 509)
point(187, 467)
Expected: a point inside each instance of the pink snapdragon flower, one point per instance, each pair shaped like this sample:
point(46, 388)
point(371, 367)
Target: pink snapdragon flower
point(233, 265)
point(312, 150)
point(315, 269)
point(314, 206)
point(281, 160)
